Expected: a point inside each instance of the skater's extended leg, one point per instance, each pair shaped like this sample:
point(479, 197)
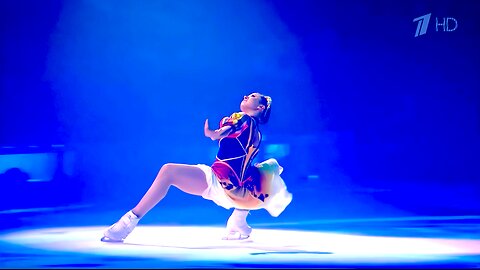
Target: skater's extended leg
point(188, 178)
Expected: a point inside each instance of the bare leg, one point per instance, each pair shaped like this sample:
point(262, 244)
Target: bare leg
point(188, 178)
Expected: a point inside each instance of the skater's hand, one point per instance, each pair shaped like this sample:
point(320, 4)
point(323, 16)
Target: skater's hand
point(216, 134)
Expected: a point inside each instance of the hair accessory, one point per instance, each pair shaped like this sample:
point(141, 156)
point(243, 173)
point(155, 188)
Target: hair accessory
point(269, 101)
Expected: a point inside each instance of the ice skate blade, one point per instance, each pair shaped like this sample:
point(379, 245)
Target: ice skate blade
point(108, 240)
point(235, 237)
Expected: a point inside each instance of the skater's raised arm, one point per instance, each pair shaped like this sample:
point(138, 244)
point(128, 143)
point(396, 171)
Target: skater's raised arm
point(216, 134)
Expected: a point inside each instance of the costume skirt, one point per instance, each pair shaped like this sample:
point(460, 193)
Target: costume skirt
point(270, 192)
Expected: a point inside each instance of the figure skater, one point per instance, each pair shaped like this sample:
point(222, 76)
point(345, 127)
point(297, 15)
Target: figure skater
point(232, 181)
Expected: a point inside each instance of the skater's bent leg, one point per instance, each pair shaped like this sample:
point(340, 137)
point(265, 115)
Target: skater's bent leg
point(188, 178)
point(237, 227)
point(238, 219)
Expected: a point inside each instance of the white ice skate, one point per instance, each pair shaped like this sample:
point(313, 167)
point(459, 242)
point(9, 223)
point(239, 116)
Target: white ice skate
point(121, 229)
point(237, 227)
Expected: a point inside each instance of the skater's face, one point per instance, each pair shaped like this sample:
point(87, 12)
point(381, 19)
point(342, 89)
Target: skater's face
point(251, 104)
